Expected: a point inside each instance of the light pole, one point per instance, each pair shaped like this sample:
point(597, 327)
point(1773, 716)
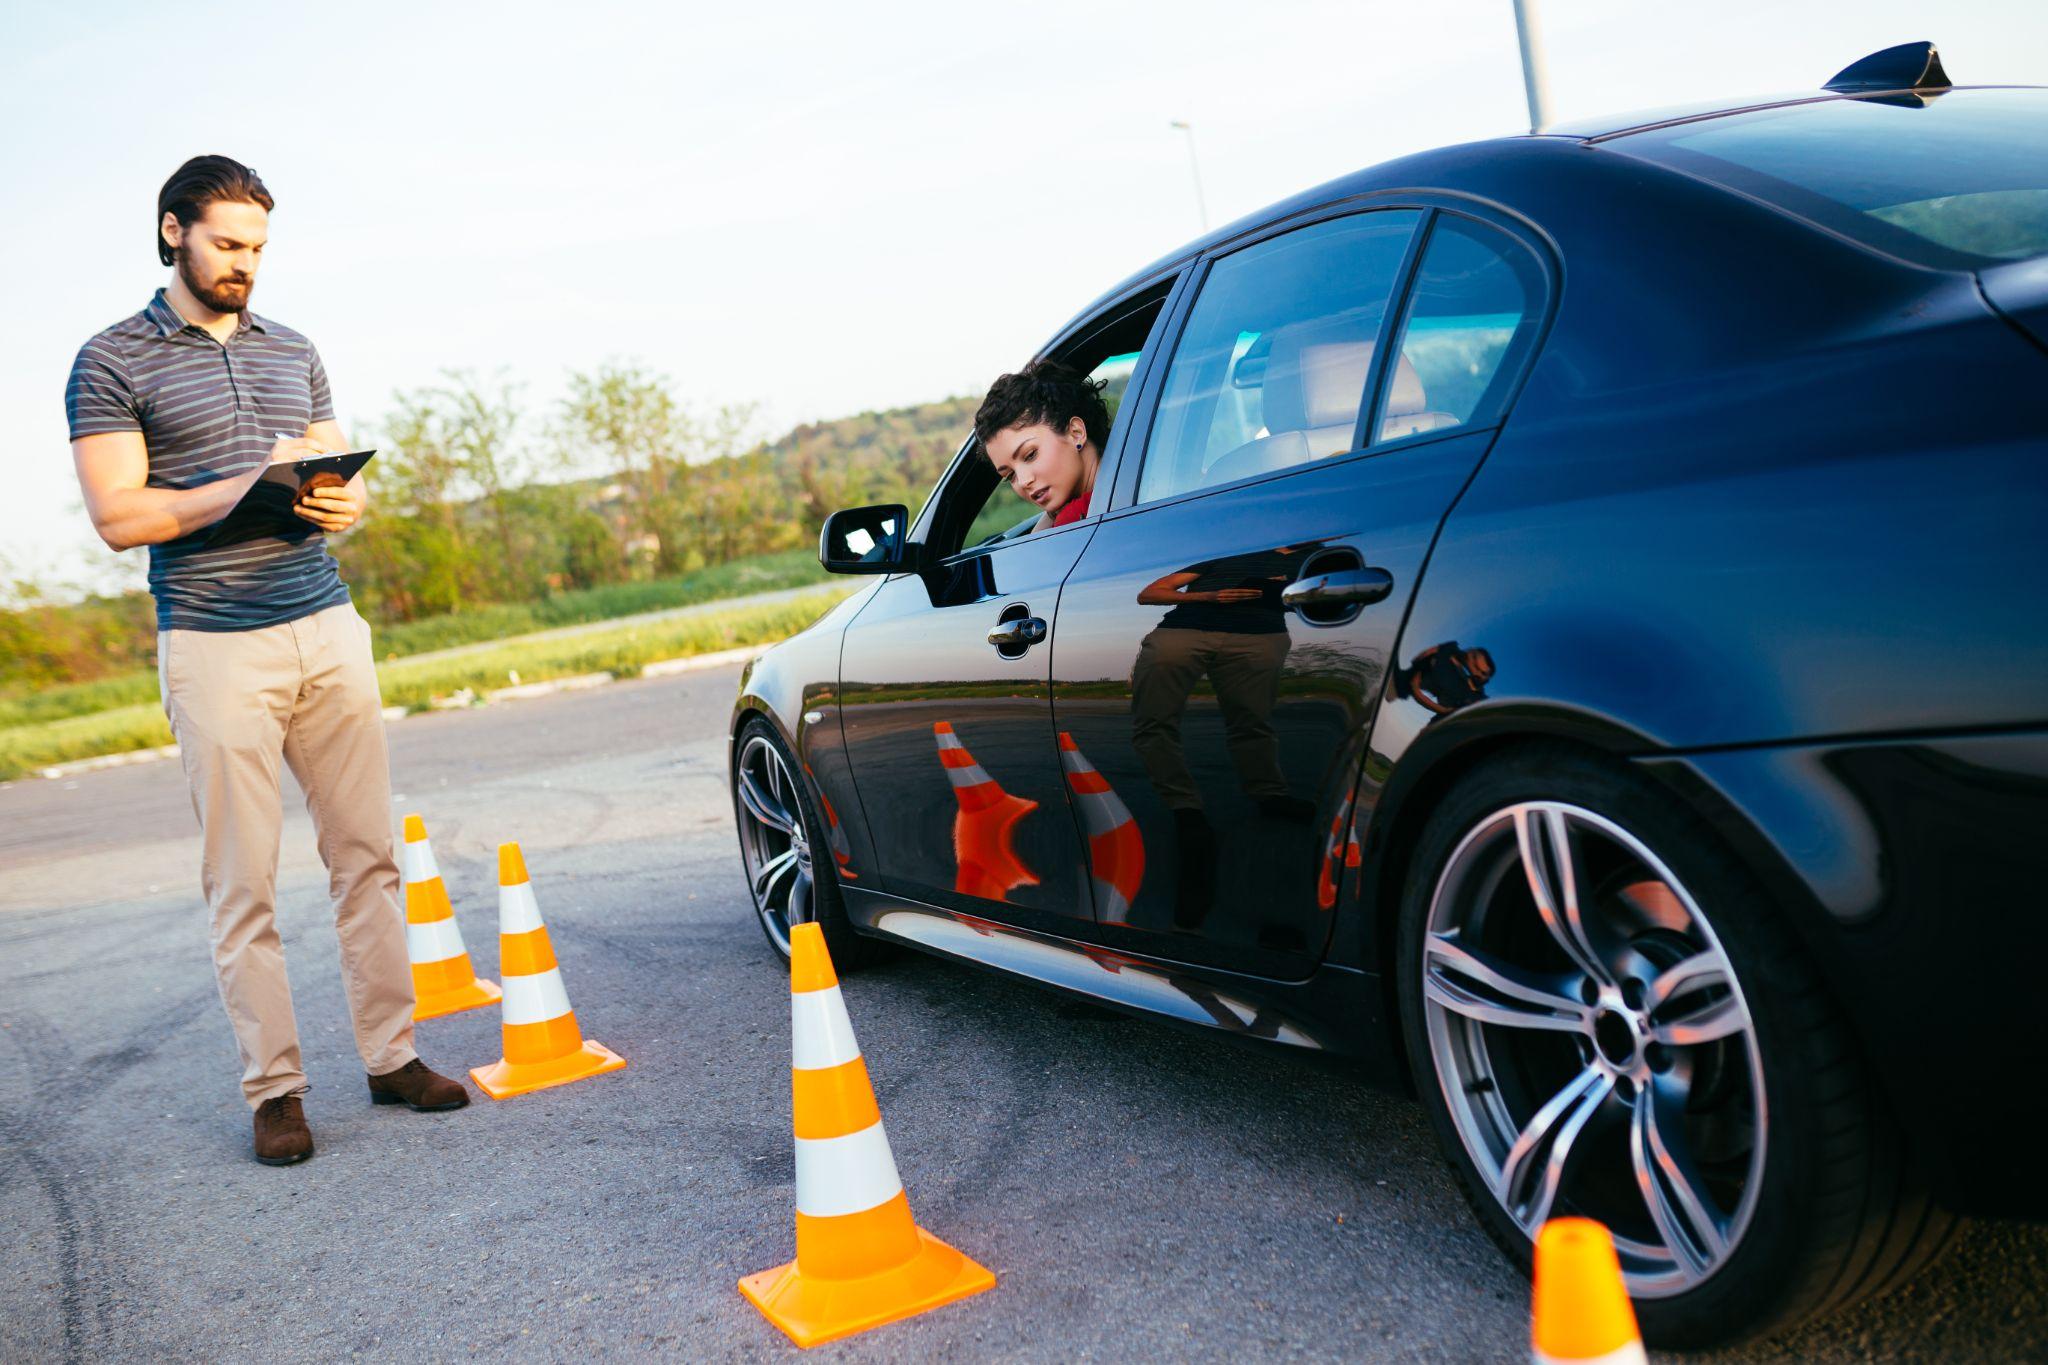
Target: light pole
point(1535, 75)
point(1194, 166)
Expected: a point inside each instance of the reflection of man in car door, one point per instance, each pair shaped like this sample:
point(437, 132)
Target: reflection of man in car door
point(1227, 624)
point(1444, 678)
point(1043, 429)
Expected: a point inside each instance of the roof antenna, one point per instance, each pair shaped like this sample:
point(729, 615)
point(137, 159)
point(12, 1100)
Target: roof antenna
point(1909, 66)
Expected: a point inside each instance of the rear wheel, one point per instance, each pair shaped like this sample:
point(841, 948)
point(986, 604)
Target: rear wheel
point(783, 848)
point(1607, 1018)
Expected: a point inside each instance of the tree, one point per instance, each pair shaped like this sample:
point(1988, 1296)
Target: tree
point(627, 421)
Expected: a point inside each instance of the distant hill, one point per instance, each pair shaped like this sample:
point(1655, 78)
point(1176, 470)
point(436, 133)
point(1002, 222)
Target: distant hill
point(891, 456)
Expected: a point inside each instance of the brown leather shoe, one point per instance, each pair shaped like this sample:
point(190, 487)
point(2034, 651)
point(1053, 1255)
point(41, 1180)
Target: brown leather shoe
point(417, 1088)
point(282, 1136)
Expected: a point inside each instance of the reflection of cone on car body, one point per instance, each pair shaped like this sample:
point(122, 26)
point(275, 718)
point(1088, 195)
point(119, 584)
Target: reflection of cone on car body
point(1340, 852)
point(1581, 1313)
point(861, 1260)
point(1116, 850)
point(443, 981)
point(835, 836)
point(543, 1045)
point(984, 826)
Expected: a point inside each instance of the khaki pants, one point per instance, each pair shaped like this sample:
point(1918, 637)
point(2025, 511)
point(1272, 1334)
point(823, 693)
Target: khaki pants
point(306, 692)
point(1244, 670)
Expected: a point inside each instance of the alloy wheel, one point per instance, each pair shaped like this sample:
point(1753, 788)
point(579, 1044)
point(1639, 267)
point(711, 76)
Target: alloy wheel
point(1592, 1042)
point(772, 841)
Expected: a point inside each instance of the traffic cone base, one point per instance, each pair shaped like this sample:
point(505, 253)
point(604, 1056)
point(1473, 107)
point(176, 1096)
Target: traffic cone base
point(503, 1080)
point(431, 1003)
point(811, 1311)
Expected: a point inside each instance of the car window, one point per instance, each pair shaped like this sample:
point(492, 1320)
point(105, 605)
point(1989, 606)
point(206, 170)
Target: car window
point(1473, 304)
point(1003, 515)
point(1957, 181)
point(1272, 364)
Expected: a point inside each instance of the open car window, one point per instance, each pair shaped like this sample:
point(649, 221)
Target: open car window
point(1006, 516)
point(977, 511)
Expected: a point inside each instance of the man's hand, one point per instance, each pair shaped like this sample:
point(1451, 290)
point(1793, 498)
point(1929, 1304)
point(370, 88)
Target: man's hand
point(333, 510)
point(287, 449)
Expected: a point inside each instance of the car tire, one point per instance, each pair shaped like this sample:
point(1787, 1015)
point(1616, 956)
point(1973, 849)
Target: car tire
point(1836, 1213)
point(808, 889)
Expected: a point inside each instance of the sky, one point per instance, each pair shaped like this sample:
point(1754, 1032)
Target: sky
point(815, 208)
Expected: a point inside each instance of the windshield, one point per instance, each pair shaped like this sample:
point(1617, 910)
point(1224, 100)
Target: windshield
point(1957, 181)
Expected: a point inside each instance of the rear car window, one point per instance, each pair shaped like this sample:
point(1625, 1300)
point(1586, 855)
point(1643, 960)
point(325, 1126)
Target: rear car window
point(1956, 181)
point(1474, 303)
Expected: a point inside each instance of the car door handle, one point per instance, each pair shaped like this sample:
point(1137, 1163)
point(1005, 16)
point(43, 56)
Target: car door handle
point(1021, 633)
point(1343, 588)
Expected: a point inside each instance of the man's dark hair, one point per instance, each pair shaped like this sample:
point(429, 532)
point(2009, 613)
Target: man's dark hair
point(1043, 391)
point(201, 181)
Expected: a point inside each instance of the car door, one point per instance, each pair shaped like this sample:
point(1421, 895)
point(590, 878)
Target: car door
point(949, 731)
point(1224, 637)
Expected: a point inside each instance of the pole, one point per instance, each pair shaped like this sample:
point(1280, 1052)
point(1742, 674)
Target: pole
point(1535, 73)
point(1195, 167)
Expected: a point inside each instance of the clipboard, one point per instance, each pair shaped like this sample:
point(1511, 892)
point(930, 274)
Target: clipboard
point(265, 511)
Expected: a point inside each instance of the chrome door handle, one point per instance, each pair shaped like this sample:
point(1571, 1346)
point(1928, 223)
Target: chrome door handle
point(1343, 588)
point(1021, 633)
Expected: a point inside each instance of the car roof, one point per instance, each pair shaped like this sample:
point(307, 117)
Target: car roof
point(1641, 120)
point(1425, 171)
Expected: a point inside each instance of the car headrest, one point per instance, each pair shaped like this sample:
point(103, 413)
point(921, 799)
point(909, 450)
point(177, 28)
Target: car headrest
point(1315, 375)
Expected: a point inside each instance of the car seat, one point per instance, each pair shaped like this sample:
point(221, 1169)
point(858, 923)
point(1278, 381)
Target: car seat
point(1315, 375)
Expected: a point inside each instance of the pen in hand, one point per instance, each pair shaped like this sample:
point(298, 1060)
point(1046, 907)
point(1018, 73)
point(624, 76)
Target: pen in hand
point(287, 436)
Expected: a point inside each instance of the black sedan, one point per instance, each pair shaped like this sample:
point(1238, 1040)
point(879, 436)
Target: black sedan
point(1561, 620)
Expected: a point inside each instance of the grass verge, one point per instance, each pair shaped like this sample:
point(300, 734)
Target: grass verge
point(625, 650)
point(497, 621)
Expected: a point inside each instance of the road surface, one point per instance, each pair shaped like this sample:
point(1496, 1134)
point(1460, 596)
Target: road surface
point(1140, 1191)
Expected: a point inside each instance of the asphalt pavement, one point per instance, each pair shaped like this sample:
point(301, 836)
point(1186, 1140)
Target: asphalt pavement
point(1140, 1191)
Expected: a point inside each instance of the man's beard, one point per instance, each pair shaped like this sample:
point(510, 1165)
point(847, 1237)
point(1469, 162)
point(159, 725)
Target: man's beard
point(222, 296)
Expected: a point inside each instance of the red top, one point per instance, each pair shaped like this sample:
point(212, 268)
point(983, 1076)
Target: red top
point(1073, 511)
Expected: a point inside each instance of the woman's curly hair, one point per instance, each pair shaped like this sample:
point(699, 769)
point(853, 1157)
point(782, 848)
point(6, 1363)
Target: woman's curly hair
point(1043, 391)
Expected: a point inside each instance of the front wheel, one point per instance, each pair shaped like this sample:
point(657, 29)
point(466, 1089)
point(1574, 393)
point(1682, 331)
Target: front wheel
point(1607, 1018)
point(781, 837)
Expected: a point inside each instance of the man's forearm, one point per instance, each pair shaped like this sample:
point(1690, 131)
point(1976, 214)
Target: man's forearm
point(130, 517)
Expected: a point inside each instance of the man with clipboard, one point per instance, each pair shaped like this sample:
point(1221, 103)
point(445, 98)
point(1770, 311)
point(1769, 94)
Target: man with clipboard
point(178, 415)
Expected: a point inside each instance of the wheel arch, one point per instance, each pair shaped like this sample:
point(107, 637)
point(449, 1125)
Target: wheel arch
point(1445, 753)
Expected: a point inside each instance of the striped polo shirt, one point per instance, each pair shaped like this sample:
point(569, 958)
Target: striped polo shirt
point(209, 410)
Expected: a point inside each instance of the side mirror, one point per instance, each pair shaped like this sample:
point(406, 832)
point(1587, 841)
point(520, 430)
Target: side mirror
point(866, 540)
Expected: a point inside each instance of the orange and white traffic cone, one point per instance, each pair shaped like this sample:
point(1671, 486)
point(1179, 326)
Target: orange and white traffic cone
point(443, 982)
point(985, 826)
point(1116, 850)
point(860, 1259)
point(1582, 1313)
point(543, 1046)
